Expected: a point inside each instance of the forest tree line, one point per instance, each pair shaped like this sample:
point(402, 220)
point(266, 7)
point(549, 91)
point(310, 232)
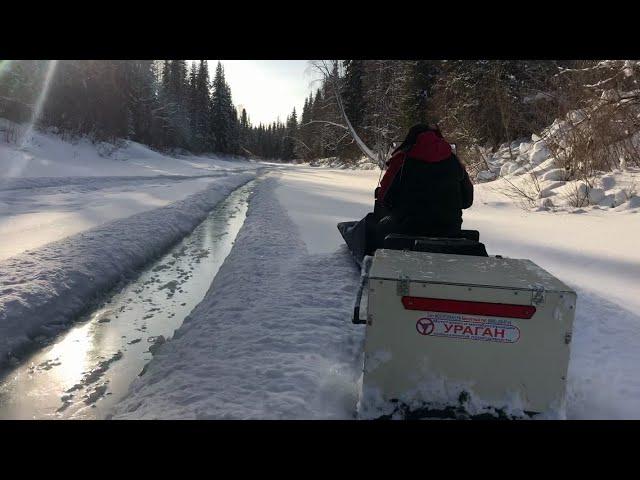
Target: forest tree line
point(170, 104)
point(166, 104)
point(474, 102)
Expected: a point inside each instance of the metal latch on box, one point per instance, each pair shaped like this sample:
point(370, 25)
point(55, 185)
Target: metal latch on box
point(537, 295)
point(402, 287)
point(364, 280)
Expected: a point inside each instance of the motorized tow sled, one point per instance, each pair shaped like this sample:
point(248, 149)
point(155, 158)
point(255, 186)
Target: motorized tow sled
point(452, 332)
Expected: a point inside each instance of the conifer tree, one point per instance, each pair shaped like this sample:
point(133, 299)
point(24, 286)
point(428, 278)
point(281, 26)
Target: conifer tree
point(223, 116)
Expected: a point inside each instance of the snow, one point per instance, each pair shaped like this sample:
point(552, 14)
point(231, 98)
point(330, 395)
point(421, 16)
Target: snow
point(51, 188)
point(33, 217)
point(555, 174)
point(318, 200)
point(529, 167)
point(273, 337)
point(596, 253)
point(77, 217)
point(439, 392)
point(49, 155)
point(42, 290)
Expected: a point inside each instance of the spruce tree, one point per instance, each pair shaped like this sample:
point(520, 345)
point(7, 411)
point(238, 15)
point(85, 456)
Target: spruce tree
point(223, 115)
point(290, 137)
point(354, 101)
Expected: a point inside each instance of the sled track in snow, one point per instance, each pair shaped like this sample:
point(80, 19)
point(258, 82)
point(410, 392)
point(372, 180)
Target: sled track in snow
point(85, 371)
point(43, 290)
point(271, 340)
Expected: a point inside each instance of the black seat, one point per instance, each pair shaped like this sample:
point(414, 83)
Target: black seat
point(464, 243)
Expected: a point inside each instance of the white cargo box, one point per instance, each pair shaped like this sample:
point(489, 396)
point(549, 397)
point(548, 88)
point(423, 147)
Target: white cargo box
point(497, 329)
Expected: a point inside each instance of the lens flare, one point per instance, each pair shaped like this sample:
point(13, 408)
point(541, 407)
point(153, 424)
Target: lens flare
point(20, 161)
point(4, 66)
point(37, 110)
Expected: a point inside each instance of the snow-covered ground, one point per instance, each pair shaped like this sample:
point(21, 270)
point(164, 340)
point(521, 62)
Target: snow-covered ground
point(77, 217)
point(585, 231)
point(51, 188)
point(596, 253)
point(273, 337)
point(530, 175)
point(42, 290)
point(43, 154)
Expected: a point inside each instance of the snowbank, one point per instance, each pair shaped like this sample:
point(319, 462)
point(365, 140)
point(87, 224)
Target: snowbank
point(272, 339)
point(526, 171)
point(44, 289)
point(32, 216)
point(363, 163)
point(51, 188)
point(46, 154)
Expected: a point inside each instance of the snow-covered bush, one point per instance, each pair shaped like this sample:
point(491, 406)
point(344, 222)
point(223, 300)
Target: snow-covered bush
point(335, 162)
point(508, 168)
point(546, 203)
point(539, 152)
point(105, 149)
point(525, 189)
point(577, 194)
point(555, 174)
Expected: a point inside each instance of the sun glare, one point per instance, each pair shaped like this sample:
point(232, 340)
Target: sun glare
point(51, 67)
point(4, 66)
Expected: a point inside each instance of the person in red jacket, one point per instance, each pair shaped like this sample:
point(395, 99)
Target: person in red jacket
point(424, 189)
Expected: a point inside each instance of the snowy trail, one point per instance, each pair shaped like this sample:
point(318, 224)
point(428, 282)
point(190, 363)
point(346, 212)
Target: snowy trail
point(42, 290)
point(71, 184)
point(34, 212)
point(51, 188)
point(273, 338)
point(83, 372)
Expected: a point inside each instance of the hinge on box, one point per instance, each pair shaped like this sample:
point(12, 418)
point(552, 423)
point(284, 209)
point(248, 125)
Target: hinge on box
point(402, 287)
point(537, 296)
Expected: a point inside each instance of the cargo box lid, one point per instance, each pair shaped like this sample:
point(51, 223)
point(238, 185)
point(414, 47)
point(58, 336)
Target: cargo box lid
point(463, 270)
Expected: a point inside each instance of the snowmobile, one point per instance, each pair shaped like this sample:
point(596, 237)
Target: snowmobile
point(452, 332)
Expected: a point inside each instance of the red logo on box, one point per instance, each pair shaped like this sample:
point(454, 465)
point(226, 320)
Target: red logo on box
point(454, 326)
point(425, 326)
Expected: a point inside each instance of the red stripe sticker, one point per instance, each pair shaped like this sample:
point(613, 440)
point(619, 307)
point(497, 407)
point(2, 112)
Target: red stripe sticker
point(506, 310)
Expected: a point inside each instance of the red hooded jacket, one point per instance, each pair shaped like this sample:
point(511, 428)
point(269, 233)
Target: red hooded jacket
point(430, 147)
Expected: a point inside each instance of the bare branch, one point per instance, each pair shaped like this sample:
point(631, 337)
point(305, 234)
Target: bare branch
point(333, 82)
point(299, 141)
point(327, 122)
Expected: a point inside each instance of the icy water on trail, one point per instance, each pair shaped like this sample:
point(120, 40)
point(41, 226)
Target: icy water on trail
point(84, 372)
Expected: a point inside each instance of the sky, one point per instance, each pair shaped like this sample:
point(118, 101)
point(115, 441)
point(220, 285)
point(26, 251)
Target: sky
point(268, 89)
